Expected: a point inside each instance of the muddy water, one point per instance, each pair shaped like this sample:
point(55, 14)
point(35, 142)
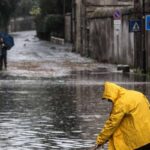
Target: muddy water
point(41, 111)
point(63, 113)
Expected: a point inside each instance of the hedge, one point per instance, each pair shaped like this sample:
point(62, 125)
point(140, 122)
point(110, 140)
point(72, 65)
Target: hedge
point(50, 25)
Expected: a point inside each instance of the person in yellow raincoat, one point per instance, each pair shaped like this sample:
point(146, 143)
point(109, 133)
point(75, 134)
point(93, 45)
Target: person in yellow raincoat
point(128, 126)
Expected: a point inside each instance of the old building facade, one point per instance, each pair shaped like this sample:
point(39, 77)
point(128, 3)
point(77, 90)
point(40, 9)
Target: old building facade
point(95, 31)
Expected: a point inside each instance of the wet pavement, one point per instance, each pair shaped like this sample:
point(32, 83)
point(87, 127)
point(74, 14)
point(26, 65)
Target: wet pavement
point(50, 97)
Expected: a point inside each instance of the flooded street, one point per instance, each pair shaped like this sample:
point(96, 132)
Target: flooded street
point(50, 98)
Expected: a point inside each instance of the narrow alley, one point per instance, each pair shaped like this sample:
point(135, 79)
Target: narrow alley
point(51, 97)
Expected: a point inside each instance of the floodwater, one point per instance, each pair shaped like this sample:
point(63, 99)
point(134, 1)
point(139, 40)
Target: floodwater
point(50, 98)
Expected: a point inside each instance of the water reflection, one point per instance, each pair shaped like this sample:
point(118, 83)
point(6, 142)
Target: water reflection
point(63, 113)
point(41, 118)
point(38, 112)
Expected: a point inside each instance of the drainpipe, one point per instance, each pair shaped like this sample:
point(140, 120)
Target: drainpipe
point(143, 38)
point(71, 21)
point(64, 12)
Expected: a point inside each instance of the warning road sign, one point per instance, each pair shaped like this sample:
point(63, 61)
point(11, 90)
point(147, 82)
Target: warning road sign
point(135, 25)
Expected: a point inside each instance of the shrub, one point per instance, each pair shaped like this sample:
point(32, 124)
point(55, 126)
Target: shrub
point(50, 25)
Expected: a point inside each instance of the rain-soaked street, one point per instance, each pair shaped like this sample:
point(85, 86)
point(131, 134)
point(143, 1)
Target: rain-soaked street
point(50, 97)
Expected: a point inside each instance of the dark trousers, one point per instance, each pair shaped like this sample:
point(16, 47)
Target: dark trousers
point(3, 60)
point(145, 147)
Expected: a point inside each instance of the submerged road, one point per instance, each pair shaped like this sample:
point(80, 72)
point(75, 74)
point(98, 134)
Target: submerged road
point(50, 98)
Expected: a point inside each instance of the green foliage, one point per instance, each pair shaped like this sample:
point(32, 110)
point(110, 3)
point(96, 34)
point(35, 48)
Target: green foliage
point(49, 7)
point(51, 18)
point(40, 23)
point(35, 11)
point(25, 6)
point(7, 8)
point(50, 25)
point(55, 6)
point(68, 5)
point(54, 24)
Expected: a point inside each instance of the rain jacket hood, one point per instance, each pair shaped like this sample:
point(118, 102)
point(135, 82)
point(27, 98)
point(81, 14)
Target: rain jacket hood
point(128, 126)
point(112, 91)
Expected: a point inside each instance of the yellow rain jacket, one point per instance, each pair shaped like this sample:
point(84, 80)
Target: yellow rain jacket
point(128, 126)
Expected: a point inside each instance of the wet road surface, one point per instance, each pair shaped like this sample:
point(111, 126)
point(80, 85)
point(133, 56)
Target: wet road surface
point(50, 97)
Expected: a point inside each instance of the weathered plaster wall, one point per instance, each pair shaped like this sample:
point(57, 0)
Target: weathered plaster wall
point(78, 25)
point(102, 2)
point(21, 24)
point(101, 39)
point(127, 43)
point(105, 46)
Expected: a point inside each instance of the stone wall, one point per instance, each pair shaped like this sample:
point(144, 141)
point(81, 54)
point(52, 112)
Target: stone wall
point(101, 39)
point(21, 24)
point(95, 37)
point(94, 32)
point(105, 46)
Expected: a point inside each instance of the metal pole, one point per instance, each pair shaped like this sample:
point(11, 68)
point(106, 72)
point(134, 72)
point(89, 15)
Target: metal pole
point(71, 21)
point(143, 38)
point(64, 11)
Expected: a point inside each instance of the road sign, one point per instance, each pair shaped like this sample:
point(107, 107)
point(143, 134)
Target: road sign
point(135, 25)
point(117, 14)
point(147, 22)
point(117, 24)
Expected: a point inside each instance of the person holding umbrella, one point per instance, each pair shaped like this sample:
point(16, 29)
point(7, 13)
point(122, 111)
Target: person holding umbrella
point(3, 55)
point(128, 126)
point(6, 42)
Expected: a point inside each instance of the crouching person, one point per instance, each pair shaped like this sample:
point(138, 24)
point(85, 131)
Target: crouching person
point(128, 126)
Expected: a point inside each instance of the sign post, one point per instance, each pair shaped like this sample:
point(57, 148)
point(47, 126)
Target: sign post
point(117, 21)
point(117, 33)
point(135, 25)
point(147, 22)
